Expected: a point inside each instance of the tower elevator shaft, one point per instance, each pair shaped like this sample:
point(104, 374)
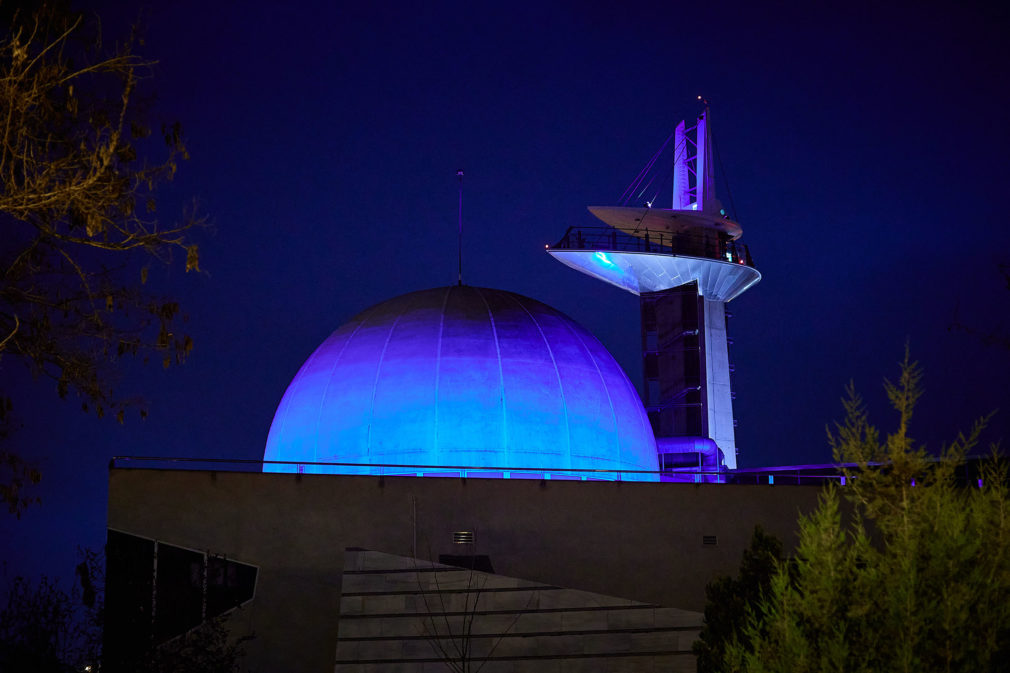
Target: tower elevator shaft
point(686, 372)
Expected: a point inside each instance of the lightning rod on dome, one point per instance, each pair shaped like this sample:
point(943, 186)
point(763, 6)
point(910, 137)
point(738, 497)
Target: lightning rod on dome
point(459, 174)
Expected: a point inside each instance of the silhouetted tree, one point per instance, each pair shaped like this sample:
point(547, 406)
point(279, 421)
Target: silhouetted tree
point(79, 222)
point(208, 648)
point(46, 629)
point(15, 474)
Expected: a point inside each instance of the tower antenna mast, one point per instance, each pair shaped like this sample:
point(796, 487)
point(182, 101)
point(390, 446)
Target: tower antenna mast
point(459, 173)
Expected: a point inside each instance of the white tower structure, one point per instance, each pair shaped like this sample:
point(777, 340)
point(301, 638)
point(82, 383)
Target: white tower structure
point(684, 263)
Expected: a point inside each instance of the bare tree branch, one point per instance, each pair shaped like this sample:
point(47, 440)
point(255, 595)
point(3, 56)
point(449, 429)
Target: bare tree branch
point(77, 205)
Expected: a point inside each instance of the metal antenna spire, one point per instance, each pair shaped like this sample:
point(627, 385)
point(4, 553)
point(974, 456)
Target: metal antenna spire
point(459, 173)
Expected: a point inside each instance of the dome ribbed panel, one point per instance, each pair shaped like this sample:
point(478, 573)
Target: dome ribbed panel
point(345, 415)
point(533, 387)
point(463, 376)
point(405, 390)
point(296, 423)
point(469, 400)
point(592, 432)
point(631, 418)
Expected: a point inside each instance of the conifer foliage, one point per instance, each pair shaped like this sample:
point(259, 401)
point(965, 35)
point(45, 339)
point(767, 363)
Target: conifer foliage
point(729, 598)
point(915, 576)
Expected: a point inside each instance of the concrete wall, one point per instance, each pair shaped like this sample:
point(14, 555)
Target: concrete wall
point(640, 541)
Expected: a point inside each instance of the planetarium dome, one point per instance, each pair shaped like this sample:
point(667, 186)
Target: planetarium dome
point(466, 380)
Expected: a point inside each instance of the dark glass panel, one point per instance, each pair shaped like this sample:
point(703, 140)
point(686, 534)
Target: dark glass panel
point(129, 588)
point(229, 584)
point(179, 591)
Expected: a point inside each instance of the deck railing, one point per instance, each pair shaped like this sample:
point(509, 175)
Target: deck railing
point(710, 245)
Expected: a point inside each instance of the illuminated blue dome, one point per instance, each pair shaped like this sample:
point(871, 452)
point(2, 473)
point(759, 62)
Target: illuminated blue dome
point(463, 377)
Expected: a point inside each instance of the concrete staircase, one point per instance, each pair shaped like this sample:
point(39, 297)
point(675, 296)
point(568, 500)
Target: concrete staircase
point(403, 614)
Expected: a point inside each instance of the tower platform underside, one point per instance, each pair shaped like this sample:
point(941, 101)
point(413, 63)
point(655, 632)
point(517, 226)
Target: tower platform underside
point(639, 272)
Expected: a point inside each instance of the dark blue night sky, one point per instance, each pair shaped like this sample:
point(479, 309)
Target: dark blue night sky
point(866, 147)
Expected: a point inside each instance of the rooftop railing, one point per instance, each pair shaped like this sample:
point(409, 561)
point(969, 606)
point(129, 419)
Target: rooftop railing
point(967, 474)
point(793, 476)
point(710, 245)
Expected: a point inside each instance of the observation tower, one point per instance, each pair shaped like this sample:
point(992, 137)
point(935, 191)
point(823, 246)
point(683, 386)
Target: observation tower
point(684, 263)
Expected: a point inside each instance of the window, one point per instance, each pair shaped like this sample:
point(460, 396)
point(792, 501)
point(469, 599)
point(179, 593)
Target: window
point(159, 591)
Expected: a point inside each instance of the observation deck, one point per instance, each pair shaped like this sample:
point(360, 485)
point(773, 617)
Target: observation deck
point(653, 261)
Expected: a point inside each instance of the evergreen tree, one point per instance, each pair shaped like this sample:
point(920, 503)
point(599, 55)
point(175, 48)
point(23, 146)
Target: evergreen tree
point(916, 579)
point(727, 599)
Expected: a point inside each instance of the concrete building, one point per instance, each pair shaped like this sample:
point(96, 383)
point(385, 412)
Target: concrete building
point(473, 428)
point(539, 467)
point(653, 543)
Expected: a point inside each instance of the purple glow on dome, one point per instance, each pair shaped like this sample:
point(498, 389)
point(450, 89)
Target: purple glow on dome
point(463, 376)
